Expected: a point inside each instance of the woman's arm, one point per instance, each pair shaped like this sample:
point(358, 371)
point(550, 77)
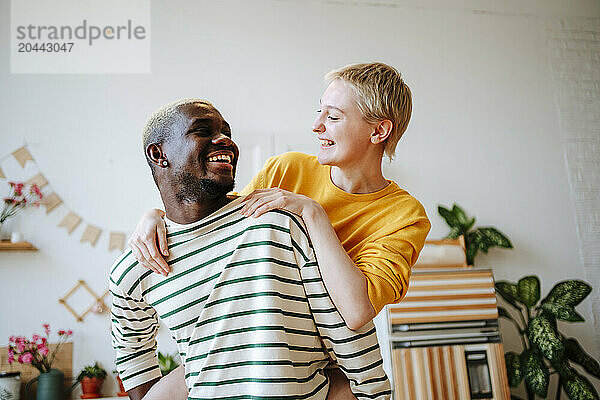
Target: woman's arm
point(142, 242)
point(346, 284)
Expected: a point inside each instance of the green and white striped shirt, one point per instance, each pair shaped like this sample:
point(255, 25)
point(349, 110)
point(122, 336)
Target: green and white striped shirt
point(248, 309)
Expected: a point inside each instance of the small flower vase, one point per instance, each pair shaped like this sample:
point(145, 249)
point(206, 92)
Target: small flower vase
point(51, 386)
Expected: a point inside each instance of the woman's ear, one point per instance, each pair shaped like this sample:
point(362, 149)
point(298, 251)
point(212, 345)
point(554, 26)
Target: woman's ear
point(155, 154)
point(382, 131)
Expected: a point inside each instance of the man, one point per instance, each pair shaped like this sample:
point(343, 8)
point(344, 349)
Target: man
point(244, 301)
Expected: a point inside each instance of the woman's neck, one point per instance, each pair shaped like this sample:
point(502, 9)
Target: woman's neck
point(359, 180)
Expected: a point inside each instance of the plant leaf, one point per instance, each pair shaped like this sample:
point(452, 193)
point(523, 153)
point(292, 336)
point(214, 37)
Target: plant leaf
point(495, 238)
point(508, 291)
point(514, 368)
point(536, 373)
point(542, 334)
point(449, 217)
point(461, 215)
point(528, 290)
point(571, 293)
point(474, 237)
point(470, 224)
point(563, 312)
point(472, 249)
point(579, 387)
point(575, 353)
point(454, 233)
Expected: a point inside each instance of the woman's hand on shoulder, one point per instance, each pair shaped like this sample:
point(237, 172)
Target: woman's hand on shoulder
point(150, 229)
point(262, 200)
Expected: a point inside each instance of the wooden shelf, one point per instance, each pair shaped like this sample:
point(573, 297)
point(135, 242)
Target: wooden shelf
point(6, 245)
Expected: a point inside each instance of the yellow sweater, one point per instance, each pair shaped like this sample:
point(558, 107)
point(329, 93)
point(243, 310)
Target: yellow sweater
point(382, 232)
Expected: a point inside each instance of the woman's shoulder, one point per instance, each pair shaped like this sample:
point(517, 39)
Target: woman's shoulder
point(294, 158)
point(405, 203)
point(291, 161)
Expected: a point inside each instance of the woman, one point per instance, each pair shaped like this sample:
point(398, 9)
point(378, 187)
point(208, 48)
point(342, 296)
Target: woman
point(366, 231)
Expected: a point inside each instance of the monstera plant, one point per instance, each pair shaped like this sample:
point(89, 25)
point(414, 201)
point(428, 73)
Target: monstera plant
point(546, 351)
point(482, 238)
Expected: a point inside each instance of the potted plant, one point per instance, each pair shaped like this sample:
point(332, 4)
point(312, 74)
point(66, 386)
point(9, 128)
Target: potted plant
point(166, 363)
point(91, 378)
point(546, 351)
point(482, 238)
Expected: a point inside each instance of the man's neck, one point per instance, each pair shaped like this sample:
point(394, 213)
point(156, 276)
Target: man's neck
point(190, 212)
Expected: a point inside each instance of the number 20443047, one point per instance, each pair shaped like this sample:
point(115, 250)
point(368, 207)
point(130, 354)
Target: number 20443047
point(45, 47)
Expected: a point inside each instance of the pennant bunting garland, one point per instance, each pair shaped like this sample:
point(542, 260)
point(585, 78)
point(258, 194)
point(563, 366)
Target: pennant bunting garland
point(22, 155)
point(39, 180)
point(91, 234)
point(70, 222)
point(116, 241)
point(51, 201)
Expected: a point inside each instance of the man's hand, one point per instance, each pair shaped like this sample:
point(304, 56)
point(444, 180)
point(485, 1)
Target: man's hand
point(262, 200)
point(148, 231)
point(346, 284)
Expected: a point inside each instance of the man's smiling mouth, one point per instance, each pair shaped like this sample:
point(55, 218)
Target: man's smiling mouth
point(220, 157)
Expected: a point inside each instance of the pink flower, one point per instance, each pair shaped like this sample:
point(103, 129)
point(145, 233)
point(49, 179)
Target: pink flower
point(11, 358)
point(61, 332)
point(43, 350)
point(12, 339)
point(27, 358)
point(69, 332)
point(18, 189)
point(20, 359)
point(35, 337)
point(46, 328)
point(20, 346)
point(36, 190)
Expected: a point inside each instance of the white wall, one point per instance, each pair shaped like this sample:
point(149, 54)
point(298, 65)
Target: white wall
point(485, 131)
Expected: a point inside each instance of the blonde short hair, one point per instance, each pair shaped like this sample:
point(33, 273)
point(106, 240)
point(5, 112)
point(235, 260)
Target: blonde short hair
point(381, 94)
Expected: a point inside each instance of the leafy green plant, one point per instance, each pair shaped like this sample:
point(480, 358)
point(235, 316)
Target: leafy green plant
point(166, 363)
point(482, 238)
point(92, 371)
point(545, 350)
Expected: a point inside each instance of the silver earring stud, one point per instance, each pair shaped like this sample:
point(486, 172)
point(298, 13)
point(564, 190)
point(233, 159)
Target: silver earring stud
point(165, 163)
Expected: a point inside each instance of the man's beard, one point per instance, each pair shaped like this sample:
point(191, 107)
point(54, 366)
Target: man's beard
point(196, 190)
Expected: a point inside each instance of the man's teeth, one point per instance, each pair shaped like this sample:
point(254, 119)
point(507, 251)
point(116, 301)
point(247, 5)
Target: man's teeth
point(325, 142)
point(220, 157)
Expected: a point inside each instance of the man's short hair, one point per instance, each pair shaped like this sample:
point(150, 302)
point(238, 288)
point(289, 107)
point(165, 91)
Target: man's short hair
point(160, 126)
point(381, 94)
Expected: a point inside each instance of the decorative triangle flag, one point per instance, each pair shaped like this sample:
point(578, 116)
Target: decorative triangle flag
point(2, 174)
point(22, 155)
point(70, 222)
point(116, 241)
point(40, 180)
point(51, 201)
point(91, 234)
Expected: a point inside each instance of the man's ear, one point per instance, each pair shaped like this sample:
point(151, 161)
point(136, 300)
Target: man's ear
point(155, 154)
point(382, 131)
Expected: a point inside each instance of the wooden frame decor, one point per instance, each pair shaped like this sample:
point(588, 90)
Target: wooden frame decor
point(97, 306)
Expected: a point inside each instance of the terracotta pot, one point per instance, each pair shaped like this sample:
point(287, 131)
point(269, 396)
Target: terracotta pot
point(91, 388)
point(122, 392)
